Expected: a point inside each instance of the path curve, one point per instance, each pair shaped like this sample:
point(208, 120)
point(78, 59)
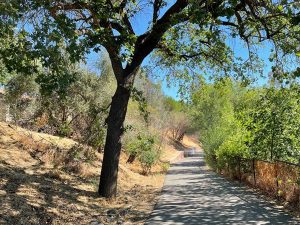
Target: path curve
point(192, 194)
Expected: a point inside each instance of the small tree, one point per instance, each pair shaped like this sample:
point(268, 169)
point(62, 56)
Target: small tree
point(178, 125)
point(144, 149)
point(20, 95)
point(274, 124)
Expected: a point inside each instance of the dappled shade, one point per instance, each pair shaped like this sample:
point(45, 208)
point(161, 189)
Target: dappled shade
point(195, 195)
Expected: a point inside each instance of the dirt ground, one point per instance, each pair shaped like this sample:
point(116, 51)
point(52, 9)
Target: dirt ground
point(39, 184)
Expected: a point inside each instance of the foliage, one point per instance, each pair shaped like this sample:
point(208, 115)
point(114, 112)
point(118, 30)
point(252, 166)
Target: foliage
point(72, 103)
point(16, 52)
point(173, 105)
point(21, 96)
point(274, 124)
point(144, 149)
point(247, 122)
point(233, 148)
point(212, 114)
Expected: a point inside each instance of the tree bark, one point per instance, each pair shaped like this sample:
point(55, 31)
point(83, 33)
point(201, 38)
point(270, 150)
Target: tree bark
point(112, 149)
point(131, 159)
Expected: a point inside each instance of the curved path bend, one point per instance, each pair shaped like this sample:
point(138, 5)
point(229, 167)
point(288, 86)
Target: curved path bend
point(192, 194)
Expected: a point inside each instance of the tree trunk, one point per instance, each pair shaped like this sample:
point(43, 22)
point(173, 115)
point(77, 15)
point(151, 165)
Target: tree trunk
point(131, 158)
point(112, 149)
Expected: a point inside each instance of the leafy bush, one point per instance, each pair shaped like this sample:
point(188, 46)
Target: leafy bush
point(274, 123)
point(232, 148)
point(95, 134)
point(212, 113)
point(64, 130)
point(148, 158)
point(236, 121)
point(144, 149)
point(165, 166)
point(20, 92)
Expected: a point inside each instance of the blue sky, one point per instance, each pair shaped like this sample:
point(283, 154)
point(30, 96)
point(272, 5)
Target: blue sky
point(140, 24)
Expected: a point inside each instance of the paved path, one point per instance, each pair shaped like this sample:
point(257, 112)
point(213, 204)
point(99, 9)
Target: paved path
point(194, 195)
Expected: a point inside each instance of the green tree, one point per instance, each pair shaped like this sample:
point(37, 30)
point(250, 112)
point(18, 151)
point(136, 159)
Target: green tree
point(191, 31)
point(76, 101)
point(274, 124)
point(20, 94)
point(212, 113)
point(16, 53)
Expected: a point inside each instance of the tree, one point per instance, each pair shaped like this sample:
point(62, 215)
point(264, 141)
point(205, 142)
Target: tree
point(212, 113)
point(186, 30)
point(20, 94)
point(15, 48)
point(274, 124)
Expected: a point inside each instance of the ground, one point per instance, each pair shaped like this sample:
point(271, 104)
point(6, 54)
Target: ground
point(193, 195)
point(41, 184)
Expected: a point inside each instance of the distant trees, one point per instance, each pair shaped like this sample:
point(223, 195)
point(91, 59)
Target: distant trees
point(73, 103)
point(148, 128)
point(212, 113)
point(21, 96)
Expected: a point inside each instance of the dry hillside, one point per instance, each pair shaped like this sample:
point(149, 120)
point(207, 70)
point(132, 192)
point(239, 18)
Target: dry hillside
point(51, 180)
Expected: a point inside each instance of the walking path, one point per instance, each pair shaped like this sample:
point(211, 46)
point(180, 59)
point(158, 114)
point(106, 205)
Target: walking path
point(194, 195)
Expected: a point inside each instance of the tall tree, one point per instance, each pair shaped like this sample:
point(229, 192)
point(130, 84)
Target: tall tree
point(190, 31)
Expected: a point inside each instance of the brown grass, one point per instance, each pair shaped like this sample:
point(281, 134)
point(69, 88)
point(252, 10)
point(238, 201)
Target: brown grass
point(40, 183)
point(276, 180)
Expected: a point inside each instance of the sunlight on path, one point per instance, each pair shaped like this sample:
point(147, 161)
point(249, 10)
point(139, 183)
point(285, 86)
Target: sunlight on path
point(194, 195)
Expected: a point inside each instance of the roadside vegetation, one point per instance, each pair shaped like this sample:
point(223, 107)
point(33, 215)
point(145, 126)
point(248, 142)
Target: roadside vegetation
point(237, 121)
point(251, 134)
point(77, 106)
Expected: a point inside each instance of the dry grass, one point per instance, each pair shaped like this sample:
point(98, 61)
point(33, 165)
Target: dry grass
point(277, 181)
point(40, 183)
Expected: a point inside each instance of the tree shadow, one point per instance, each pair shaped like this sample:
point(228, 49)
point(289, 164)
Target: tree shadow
point(47, 188)
point(38, 199)
point(194, 195)
point(177, 145)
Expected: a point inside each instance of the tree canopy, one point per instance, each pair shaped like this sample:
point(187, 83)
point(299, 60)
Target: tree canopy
point(181, 30)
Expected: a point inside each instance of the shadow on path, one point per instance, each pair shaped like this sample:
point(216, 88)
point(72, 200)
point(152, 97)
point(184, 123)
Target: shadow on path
point(194, 195)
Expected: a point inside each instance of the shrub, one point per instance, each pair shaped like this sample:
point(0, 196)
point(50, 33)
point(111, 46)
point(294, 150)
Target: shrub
point(65, 130)
point(95, 134)
point(165, 166)
point(144, 149)
point(232, 148)
point(148, 158)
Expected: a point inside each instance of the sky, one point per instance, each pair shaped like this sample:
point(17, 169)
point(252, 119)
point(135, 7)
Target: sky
point(140, 25)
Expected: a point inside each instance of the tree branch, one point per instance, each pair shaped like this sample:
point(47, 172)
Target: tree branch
point(186, 57)
point(149, 40)
point(156, 7)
